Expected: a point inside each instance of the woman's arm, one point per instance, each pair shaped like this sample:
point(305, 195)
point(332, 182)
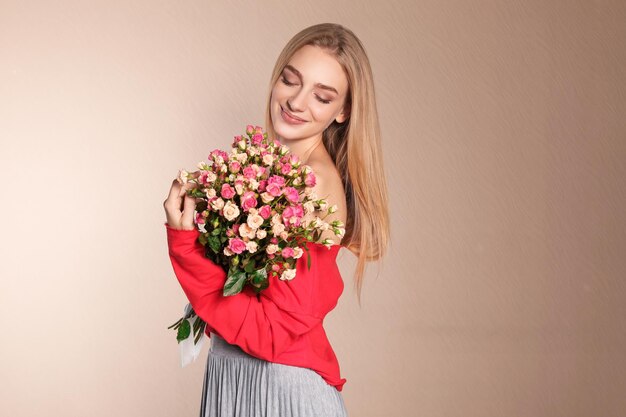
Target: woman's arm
point(264, 327)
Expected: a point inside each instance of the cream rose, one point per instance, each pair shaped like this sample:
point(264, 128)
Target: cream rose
point(268, 160)
point(266, 197)
point(255, 221)
point(231, 211)
point(246, 231)
point(210, 193)
point(288, 274)
point(253, 184)
point(217, 204)
point(252, 246)
point(277, 229)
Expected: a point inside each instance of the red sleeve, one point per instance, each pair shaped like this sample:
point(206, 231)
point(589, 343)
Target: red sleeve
point(264, 327)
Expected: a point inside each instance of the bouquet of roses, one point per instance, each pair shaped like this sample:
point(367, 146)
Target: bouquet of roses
point(251, 206)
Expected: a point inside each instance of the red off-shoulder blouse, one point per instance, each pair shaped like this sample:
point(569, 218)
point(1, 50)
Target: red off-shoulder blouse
point(284, 325)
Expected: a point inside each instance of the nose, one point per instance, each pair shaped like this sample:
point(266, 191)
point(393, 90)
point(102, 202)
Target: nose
point(296, 102)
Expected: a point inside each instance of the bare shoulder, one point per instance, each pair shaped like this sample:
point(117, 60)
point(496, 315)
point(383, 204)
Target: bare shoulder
point(329, 186)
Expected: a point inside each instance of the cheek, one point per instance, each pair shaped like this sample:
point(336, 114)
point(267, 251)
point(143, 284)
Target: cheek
point(322, 112)
point(279, 92)
point(274, 94)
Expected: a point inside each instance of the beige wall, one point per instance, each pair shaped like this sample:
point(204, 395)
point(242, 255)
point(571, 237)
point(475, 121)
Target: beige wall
point(505, 140)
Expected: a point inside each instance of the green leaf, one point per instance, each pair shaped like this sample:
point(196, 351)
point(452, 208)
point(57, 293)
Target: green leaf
point(258, 289)
point(200, 331)
point(259, 276)
point(214, 243)
point(176, 325)
point(308, 260)
point(183, 331)
point(234, 282)
point(250, 267)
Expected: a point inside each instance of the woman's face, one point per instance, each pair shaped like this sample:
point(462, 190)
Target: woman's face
point(312, 88)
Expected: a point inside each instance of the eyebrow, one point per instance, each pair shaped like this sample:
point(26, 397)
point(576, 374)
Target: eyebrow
point(320, 85)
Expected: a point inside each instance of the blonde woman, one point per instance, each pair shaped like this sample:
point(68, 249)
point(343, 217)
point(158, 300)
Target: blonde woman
point(270, 356)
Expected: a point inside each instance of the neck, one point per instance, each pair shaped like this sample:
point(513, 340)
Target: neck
point(303, 148)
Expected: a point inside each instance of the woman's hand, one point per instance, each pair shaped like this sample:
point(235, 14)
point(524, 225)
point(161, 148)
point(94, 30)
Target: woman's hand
point(179, 207)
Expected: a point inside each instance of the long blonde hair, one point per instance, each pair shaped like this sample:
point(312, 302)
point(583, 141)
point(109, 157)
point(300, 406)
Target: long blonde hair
point(354, 145)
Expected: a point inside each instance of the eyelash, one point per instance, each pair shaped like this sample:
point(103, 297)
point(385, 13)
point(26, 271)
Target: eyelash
point(317, 97)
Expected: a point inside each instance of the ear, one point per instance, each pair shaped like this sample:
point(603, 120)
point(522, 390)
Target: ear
point(345, 113)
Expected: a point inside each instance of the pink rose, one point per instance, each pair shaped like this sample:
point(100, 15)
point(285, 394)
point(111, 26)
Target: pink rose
point(227, 191)
point(287, 252)
point(249, 129)
point(248, 200)
point(234, 166)
point(291, 194)
point(286, 169)
point(218, 152)
point(265, 211)
point(274, 189)
point(257, 138)
point(287, 214)
point(293, 158)
point(236, 245)
point(278, 180)
point(249, 173)
point(293, 212)
point(236, 140)
point(309, 180)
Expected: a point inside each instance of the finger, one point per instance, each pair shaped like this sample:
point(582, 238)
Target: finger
point(174, 195)
point(188, 212)
point(177, 191)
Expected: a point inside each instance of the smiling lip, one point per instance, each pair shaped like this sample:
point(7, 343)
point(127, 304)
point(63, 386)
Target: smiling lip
point(289, 118)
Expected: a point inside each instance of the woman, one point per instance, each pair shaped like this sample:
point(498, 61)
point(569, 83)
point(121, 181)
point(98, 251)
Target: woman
point(270, 357)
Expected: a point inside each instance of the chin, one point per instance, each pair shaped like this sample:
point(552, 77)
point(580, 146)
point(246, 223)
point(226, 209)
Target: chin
point(285, 133)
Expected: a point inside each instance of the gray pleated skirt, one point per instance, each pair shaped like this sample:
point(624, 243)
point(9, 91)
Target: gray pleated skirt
point(237, 384)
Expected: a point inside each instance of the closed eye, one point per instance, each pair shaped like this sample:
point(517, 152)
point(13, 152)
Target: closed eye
point(284, 81)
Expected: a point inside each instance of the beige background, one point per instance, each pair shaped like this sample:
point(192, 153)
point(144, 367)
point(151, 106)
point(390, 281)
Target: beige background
point(503, 123)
